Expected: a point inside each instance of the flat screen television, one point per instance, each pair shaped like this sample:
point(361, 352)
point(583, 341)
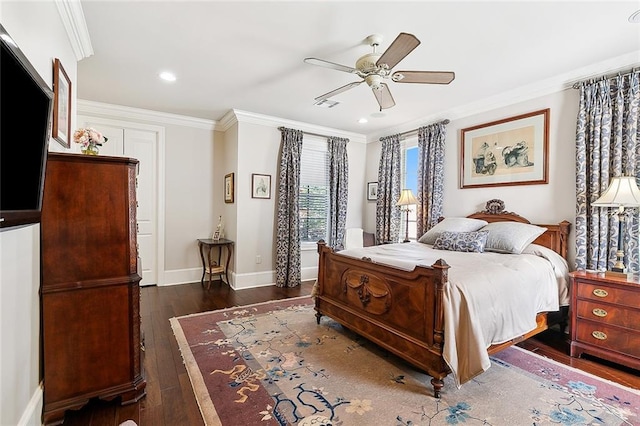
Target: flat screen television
point(26, 103)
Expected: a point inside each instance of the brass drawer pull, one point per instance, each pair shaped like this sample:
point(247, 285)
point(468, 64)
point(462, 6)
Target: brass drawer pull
point(599, 312)
point(600, 335)
point(600, 292)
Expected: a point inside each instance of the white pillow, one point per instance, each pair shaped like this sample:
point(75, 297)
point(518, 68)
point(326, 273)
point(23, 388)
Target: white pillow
point(511, 237)
point(452, 224)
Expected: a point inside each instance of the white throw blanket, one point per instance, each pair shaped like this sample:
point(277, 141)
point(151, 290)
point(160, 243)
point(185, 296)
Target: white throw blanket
point(491, 298)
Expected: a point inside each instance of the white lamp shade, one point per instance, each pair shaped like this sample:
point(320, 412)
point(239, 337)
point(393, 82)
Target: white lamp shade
point(622, 192)
point(406, 198)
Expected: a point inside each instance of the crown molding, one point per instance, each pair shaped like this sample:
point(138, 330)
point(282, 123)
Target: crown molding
point(535, 90)
point(129, 113)
point(72, 17)
point(238, 116)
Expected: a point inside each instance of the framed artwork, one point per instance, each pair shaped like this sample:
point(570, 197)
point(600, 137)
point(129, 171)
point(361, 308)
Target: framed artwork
point(216, 236)
point(260, 186)
point(61, 105)
point(512, 151)
point(228, 188)
point(372, 191)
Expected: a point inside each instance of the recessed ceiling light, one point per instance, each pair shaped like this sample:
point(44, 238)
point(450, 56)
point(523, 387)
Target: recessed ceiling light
point(167, 76)
point(363, 120)
point(635, 17)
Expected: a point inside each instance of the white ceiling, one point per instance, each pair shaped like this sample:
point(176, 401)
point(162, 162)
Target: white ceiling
point(248, 55)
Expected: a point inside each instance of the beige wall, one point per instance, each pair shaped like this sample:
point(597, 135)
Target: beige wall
point(258, 142)
point(544, 204)
point(189, 197)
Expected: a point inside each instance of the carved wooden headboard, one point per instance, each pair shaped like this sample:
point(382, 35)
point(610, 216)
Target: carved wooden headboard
point(555, 237)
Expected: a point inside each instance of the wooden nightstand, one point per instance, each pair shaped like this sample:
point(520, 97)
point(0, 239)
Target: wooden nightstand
point(605, 317)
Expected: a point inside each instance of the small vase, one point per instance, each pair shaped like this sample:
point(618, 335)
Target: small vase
point(91, 149)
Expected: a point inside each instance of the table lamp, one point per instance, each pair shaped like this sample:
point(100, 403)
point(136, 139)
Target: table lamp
point(406, 199)
point(622, 192)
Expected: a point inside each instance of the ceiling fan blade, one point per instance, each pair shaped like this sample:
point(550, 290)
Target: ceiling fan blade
point(425, 77)
point(401, 47)
point(383, 96)
point(338, 90)
point(327, 64)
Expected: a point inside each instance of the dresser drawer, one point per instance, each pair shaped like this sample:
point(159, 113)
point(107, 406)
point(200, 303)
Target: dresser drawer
point(608, 314)
point(608, 337)
point(608, 294)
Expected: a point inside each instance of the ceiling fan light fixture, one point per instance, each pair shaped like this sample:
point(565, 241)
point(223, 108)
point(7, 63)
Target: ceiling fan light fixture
point(375, 67)
point(374, 81)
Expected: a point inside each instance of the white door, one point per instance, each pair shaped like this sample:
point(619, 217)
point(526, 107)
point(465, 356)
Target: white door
point(141, 145)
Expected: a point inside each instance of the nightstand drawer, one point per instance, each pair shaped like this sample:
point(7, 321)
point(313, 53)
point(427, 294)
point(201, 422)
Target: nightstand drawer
point(609, 294)
point(608, 337)
point(608, 314)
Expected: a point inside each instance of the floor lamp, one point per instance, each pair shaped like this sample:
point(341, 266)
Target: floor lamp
point(406, 199)
point(622, 192)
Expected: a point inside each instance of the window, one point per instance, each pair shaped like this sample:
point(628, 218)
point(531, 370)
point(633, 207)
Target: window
point(410, 181)
point(314, 191)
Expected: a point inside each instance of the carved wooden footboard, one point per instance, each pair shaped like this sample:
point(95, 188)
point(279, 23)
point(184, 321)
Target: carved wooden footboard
point(399, 310)
point(403, 311)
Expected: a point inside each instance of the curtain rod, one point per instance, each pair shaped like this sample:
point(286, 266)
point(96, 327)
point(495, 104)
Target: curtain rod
point(281, 128)
point(577, 84)
point(415, 131)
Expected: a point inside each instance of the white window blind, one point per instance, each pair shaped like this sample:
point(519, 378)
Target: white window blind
point(314, 191)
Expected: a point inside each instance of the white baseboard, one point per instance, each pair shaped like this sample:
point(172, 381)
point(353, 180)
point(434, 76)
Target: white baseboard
point(237, 281)
point(32, 415)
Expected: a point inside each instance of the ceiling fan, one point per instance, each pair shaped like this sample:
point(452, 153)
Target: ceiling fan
point(375, 67)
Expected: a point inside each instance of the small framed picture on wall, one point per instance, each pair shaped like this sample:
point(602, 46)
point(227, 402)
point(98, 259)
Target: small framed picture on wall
point(260, 186)
point(61, 105)
point(228, 188)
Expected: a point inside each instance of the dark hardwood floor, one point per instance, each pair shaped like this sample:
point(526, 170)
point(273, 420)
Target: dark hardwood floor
point(170, 400)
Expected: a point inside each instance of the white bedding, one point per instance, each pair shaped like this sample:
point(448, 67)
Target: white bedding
point(491, 297)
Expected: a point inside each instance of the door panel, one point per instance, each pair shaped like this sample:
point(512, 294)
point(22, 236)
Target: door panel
point(141, 144)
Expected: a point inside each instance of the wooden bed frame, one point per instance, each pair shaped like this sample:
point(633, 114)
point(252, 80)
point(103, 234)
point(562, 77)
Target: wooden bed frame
point(402, 311)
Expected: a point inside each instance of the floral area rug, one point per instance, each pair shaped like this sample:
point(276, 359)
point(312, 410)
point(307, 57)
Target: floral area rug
point(272, 364)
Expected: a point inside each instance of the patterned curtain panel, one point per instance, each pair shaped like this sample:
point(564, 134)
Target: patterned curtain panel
point(607, 145)
point(338, 190)
point(288, 273)
point(430, 175)
point(387, 213)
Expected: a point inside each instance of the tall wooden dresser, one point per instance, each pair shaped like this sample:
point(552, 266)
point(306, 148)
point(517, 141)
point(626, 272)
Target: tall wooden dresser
point(90, 283)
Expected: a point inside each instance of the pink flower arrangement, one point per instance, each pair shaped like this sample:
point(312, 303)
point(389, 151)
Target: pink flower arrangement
point(88, 136)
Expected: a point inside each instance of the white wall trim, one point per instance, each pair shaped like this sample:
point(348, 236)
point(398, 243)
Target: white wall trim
point(234, 116)
point(93, 108)
point(237, 281)
point(33, 411)
point(72, 17)
point(182, 276)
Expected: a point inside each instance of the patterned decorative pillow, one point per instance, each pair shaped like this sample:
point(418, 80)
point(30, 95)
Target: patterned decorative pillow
point(511, 237)
point(452, 224)
point(462, 241)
